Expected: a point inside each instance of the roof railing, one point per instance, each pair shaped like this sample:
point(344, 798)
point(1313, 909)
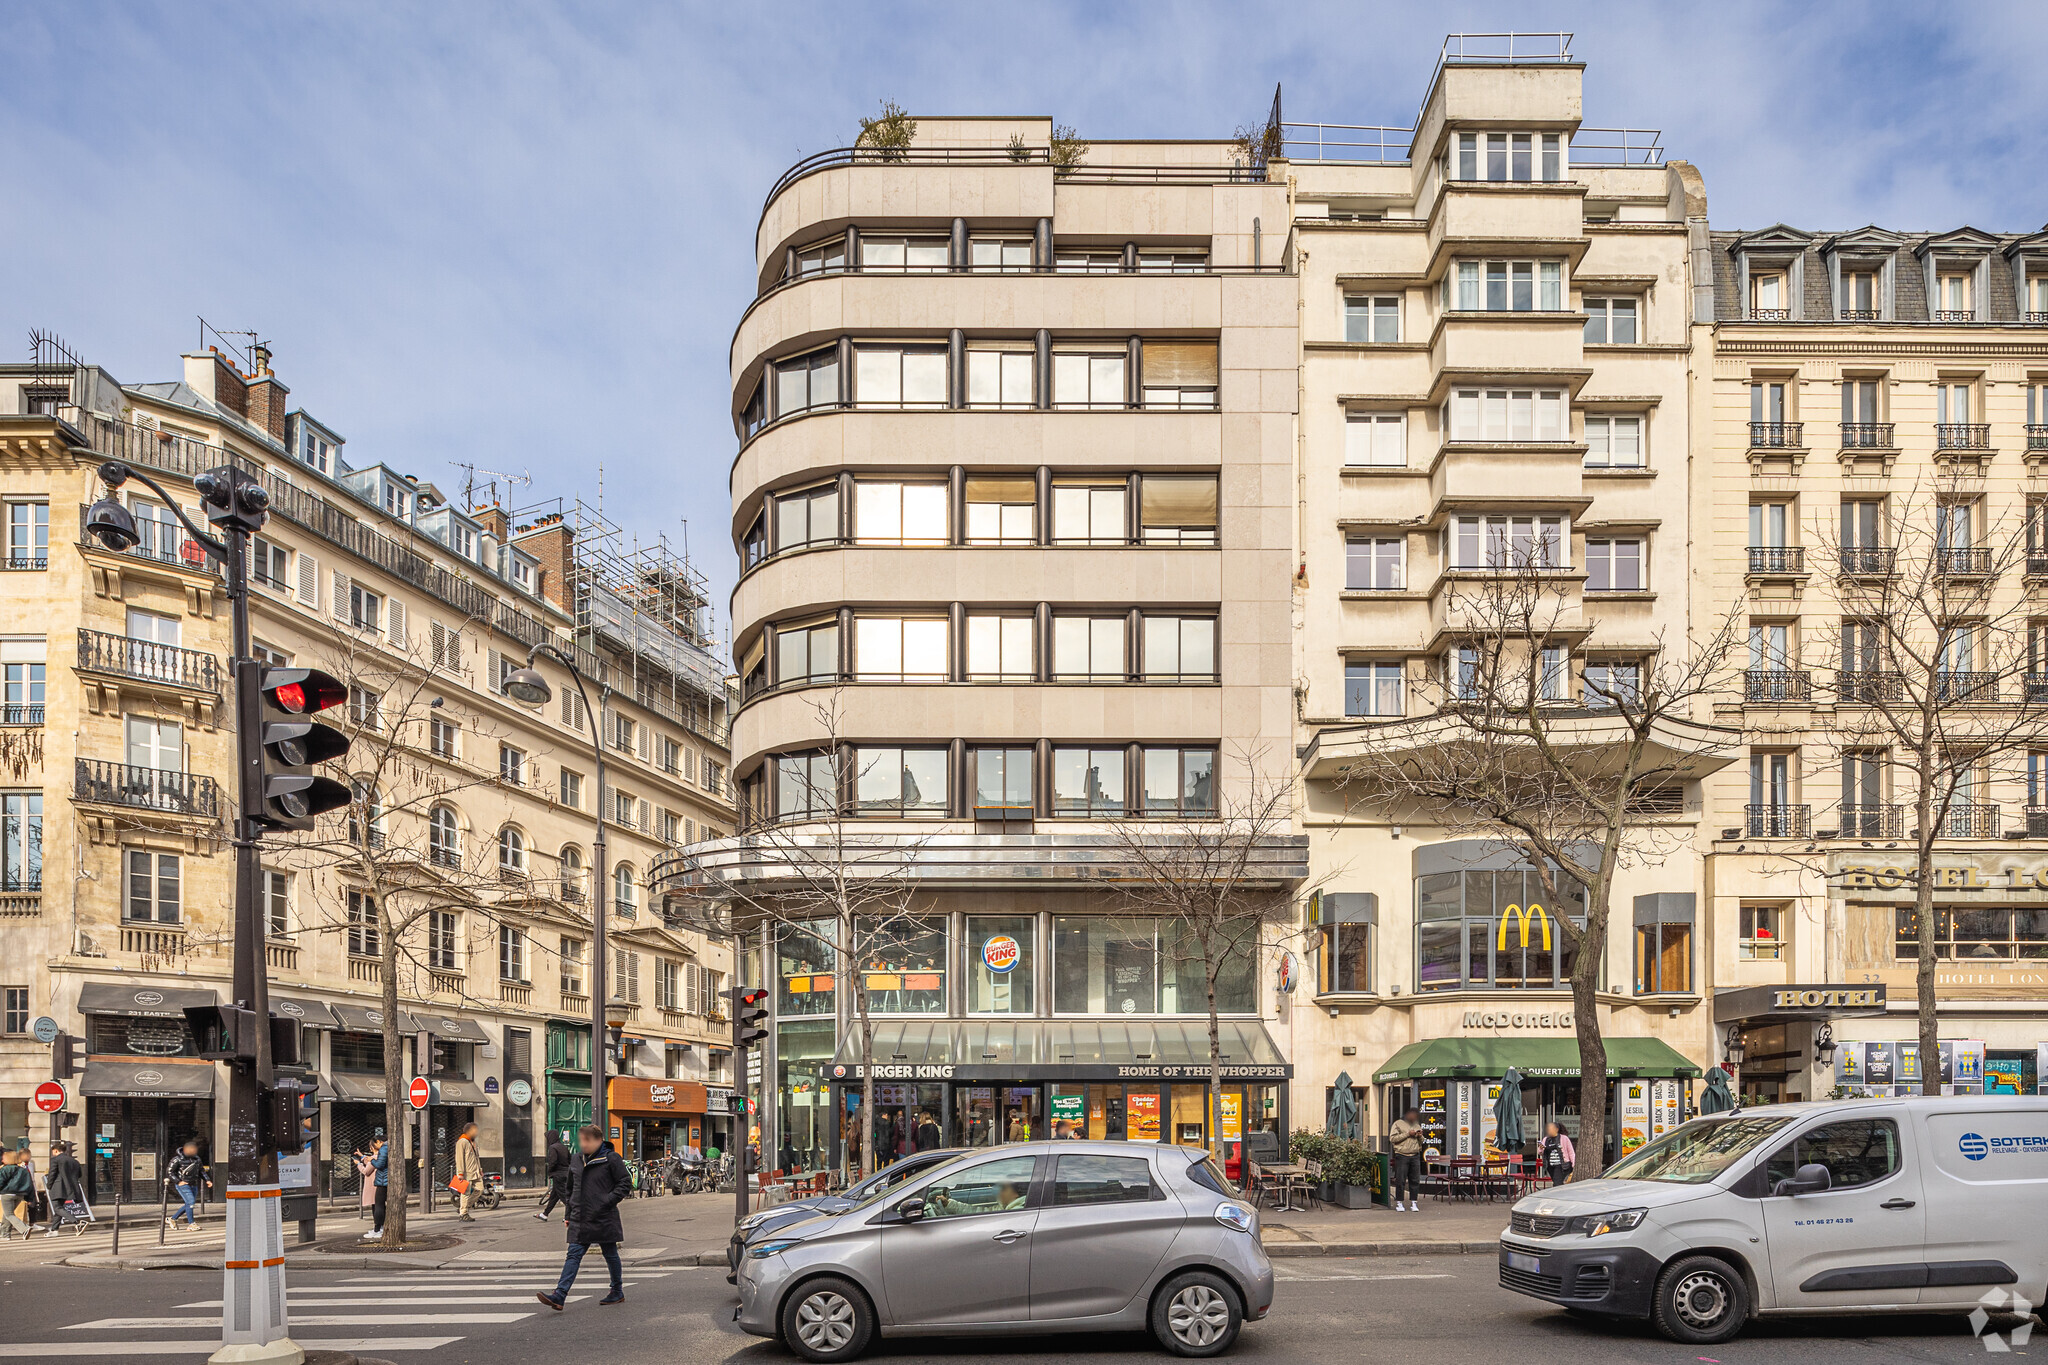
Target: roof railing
point(1372, 142)
point(1618, 147)
point(1506, 47)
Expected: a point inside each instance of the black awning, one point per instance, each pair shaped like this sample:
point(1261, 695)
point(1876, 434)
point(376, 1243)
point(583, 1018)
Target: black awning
point(148, 1080)
point(142, 1002)
point(358, 1089)
point(370, 1019)
point(448, 1026)
point(460, 1092)
point(1062, 1049)
point(309, 1012)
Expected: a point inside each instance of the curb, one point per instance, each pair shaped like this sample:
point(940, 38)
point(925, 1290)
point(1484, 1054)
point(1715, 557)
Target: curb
point(324, 1261)
point(1287, 1250)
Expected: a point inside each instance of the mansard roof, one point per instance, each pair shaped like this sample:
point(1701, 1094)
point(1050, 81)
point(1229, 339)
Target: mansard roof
point(1869, 239)
point(1777, 237)
point(1962, 239)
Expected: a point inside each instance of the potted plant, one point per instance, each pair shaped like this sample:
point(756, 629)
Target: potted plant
point(1353, 1171)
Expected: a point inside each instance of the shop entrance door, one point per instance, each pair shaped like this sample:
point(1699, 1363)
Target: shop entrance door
point(900, 1111)
point(132, 1142)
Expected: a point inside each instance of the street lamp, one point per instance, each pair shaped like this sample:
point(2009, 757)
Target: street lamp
point(1735, 1047)
point(254, 1323)
point(1824, 1044)
point(527, 687)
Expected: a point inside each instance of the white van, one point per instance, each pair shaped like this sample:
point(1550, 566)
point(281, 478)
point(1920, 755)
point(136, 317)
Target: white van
point(1920, 1205)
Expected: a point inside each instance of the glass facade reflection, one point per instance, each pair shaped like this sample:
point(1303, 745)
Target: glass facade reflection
point(1002, 960)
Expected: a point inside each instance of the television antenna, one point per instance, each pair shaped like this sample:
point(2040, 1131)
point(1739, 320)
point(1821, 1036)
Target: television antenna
point(492, 477)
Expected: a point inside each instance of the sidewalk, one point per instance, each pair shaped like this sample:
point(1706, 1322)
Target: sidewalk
point(1441, 1229)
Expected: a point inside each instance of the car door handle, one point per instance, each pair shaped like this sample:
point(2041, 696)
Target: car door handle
point(1008, 1235)
point(1896, 1204)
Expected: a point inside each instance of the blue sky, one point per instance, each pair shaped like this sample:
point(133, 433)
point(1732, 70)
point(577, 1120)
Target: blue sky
point(520, 235)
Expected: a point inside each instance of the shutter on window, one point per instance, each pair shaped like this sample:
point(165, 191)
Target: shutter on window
point(646, 737)
point(1177, 363)
point(689, 834)
point(646, 818)
point(339, 606)
point(569, 708)
point(492, 666)
point(309, 582)
point(394, 623)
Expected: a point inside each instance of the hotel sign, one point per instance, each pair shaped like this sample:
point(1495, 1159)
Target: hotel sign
point(1828, 997)
point(1983, 874)
point(1820, 1000)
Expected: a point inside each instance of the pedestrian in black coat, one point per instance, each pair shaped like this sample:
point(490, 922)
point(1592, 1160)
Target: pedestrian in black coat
point(599, 1183)
point(558, 1178)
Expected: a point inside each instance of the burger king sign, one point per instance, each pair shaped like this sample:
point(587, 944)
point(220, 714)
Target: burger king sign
point(1000, 953)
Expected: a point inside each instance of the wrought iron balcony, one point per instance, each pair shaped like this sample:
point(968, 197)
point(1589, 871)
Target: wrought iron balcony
point(1965, 685)
point(1770, 315)
point(1962, 435)
point(1776, 435)
point(1867, 436)
point(1777, 559)
point(1868, 561)
point(24, 561)
point(1970, 820)
point(2037, 822)
point(2037, 563)
point(1778, 822)
point(161, 543)
point(2037, 688)
point(2037, 436)
point(1873, 822)
point(1955, 315)
point(1777, 685)
point(1867, 685)
point(1961, 562)
point(100, 652)
point(121, 784)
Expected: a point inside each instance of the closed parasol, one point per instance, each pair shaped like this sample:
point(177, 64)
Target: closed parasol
point(1507, 1113)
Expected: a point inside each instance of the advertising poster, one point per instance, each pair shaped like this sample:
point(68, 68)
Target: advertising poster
point(1666, 1107)
point(1969, 1068)
point(1461, 1117)
point(1144, 1117)
point(2005, 1075)
point(1072, 1108)
point(1848, 1064)
point(1489, 1137)
point(1635, 1115)
point(1433, 1099)
point(2041, 1070)
point(1231, 1126)
point(1878, 1063)
point(1948, 1068)
point(1909, 1068)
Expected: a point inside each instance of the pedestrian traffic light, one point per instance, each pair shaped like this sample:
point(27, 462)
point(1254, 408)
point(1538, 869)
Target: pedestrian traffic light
point(280, 1120)
point(309, 1119)
point(292, 794)
point(749, 1016)
point(224, 1033)
point(64, 1056)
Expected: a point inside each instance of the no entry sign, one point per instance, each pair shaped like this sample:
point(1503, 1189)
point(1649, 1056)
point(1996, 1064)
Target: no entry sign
point(50, 1097)
point(418, 1093)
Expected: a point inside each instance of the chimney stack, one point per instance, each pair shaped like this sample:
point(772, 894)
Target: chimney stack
point(265, 398)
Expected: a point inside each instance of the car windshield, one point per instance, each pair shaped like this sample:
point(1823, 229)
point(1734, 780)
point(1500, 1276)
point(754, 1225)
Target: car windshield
point(886, 1181)
point(1698, 1151)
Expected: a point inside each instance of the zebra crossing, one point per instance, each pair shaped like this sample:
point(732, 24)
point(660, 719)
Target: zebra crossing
point(417, 1310)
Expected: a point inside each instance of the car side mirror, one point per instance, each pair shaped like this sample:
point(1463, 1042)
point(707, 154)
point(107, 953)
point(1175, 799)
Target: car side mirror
point(910, 1210)
point(1812, 1178)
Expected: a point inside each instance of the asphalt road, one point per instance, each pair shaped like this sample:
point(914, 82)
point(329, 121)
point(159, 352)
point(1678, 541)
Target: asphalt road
point(1440, 1310)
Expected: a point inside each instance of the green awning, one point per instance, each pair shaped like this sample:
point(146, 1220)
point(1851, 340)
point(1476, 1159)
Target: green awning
point(1478, 1058)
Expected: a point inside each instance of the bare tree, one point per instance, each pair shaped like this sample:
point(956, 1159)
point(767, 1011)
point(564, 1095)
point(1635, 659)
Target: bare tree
point(1506, 752)
point(827, 873)
point(393, 880)
point(1218, 874)
point(1939, 677)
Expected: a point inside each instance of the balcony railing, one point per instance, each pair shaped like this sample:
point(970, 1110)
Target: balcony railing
point(1970, 820)
point(2037, 688)
point(1860, 314)
point(2037, 822)
point(282, 957)
point(1867, 436)
point(1873, 822)
point(1961, 562)
point(168, 941)
point(1777, 559)
point(1770, 315)
point(2037, 563)
point(515, 992)
point(21, 713)
point(121, 784)
point(1868, 561)
point(1777, 685)
point(25, 562)
point(1776, 435)
point(1962, 435)
point(99, 652)
point(21, 904)
point(160, 544)
point(1778, 822)
point(1962, 685)
point(1868, 686)
point(367, 969)
point(1955, 315)
point(2037, 436)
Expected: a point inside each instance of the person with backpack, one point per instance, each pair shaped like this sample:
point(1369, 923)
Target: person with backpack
point(17, 1192)
point(1555, 1155)
point(558, 1178)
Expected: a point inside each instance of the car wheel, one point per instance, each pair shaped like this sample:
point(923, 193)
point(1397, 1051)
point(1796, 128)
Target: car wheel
point(1196, 1313)
point(1700, 1300)
point(828, 1319)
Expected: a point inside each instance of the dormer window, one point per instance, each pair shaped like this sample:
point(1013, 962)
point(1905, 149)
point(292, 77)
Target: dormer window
point(1954, 299)
point(2037, 298)
point(1769, 296)
point(1860, 296)
point(396, 500)
point(315, 451)
point(522, 574)
point(462, 540)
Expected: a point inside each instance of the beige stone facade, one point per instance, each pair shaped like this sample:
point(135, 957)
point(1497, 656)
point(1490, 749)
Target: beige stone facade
point(120, 755)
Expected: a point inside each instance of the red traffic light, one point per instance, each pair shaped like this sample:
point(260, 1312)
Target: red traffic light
point(300, 691)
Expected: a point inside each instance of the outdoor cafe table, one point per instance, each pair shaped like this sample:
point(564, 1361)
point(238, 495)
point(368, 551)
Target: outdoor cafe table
point(1288, 1171)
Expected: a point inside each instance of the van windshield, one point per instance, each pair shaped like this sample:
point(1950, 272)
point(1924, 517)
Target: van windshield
point(1698, 1151)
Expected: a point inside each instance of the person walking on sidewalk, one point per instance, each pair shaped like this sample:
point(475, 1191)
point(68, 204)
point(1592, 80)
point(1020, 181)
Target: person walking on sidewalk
point(65, 1182)
point(469, 1169)
point(1556, 1155)
point(17, 1192)
point(185, 1174)
point(599, 1183)
point(558, 1178)
point(1406, 1139)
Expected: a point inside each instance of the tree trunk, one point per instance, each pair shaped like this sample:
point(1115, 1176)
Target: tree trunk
point(1586, 970)
point(870, 1159)
point(396, 1106)
point(1923, 911)
point(1210, 965)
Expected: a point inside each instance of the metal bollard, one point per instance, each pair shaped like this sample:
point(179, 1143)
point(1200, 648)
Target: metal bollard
point(163, 1212)
point(117, 1222)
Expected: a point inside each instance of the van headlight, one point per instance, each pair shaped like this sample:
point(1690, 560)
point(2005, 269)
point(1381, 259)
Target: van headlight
point(767, 1249)
point(1237, 1217)
point(1600, 1224)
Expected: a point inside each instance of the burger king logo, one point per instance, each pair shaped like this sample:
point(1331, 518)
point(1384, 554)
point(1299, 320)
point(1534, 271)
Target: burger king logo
point(1000, 953)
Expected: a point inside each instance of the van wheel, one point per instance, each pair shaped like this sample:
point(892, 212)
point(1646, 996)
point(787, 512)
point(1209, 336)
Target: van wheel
point(828, 1319)
point(1196, 1314)
point(1700, 1300)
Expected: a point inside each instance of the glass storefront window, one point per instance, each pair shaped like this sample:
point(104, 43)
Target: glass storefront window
point(1186, 972)
point(1492, 930)
point(904, 965)
point(802, 1052)
point(1135, 965)
point(1001, 964)
point(805, 967)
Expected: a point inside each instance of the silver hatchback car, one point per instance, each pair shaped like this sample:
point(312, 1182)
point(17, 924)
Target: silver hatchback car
point(1032, 1237)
